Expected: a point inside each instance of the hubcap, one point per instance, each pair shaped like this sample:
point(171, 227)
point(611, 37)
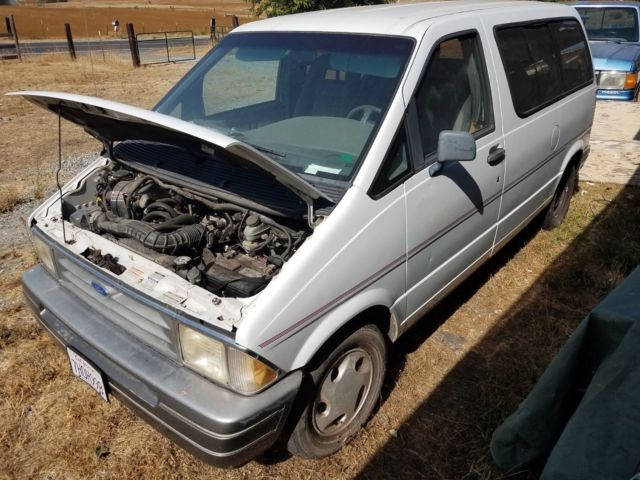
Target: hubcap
point(343, 392)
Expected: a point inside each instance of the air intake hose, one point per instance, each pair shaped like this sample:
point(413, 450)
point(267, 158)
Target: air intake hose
point(151, 236)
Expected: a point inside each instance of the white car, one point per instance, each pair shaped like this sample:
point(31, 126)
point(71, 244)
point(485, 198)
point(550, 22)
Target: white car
point(236, 261)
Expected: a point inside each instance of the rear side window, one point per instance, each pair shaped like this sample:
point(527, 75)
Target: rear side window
point(574, 55)
point(543, 62)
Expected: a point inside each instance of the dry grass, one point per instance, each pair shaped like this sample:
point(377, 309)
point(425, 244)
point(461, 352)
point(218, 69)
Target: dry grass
point(9, 198)
point(451, 381)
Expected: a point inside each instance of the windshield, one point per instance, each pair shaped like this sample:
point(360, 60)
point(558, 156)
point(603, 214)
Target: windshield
point(310, 101)
point(610, 23)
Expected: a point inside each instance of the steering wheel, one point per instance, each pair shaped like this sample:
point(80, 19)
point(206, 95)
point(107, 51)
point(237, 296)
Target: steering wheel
point(364, 112)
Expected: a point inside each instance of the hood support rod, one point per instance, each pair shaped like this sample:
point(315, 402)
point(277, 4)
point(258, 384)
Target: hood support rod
point(64, 233)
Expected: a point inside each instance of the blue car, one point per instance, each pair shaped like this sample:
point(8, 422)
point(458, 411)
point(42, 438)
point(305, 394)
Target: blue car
point(614, 37)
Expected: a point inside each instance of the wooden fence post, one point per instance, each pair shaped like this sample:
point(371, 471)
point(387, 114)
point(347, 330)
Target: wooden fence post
point(133, 45)
point(72, 47)
point(14, 32)
point(212, 30)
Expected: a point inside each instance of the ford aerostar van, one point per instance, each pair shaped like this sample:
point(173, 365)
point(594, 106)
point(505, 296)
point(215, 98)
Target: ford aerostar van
point(235, 263)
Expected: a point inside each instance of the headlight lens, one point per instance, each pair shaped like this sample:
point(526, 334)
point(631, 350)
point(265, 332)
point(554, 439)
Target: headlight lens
point(224, 364)
point(612, 80)
point(45, 254)
point(204, 354)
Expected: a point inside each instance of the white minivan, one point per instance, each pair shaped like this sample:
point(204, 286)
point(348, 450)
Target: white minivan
point(235, 263)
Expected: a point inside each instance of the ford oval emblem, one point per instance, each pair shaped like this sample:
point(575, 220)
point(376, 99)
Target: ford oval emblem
point(99, 288)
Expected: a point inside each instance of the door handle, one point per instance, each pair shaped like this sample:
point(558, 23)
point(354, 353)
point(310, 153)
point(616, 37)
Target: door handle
point(496, 155)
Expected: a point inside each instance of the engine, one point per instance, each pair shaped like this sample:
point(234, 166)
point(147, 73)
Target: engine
point(225, 248)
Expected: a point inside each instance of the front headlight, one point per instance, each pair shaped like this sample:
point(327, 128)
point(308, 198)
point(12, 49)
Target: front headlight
point(223, 363)
point(612, 80)
point(45, 254)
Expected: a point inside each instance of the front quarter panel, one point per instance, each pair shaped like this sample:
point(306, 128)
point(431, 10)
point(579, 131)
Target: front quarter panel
point(355, 259)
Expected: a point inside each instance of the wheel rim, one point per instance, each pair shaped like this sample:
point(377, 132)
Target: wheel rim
point(343, 392)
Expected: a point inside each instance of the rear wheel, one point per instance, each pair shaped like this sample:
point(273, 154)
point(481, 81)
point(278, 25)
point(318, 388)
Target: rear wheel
point(557, 210)
point(346, 387)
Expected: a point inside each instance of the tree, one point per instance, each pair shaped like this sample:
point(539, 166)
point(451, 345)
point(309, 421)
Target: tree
point(274, 8)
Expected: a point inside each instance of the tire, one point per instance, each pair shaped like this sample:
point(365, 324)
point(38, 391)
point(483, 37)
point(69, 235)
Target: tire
point(557, 210)
point(345, 391)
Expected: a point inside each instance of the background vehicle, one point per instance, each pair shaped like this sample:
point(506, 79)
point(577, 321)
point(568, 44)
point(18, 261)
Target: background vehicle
point(613, 29)
point(251, 260)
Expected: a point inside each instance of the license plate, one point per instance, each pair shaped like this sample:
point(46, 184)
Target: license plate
point(87, 372)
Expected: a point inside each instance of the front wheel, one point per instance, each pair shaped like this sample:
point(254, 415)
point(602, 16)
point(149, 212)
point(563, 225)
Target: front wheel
point(346, 387)
point(557, 210)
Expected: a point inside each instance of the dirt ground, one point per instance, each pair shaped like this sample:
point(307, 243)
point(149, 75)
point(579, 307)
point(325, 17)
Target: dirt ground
point(615, 144)
point(450, 382)
point(93, 19)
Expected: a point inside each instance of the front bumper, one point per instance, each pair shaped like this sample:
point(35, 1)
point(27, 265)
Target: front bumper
point(219, 426)
point(615, 94)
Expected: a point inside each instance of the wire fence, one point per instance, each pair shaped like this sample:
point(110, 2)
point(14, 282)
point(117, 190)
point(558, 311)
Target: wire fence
point(218, 32)
point(141, 48)
point(165, 47)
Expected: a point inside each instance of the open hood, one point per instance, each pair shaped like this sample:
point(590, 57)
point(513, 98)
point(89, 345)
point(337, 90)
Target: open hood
point(112, 122)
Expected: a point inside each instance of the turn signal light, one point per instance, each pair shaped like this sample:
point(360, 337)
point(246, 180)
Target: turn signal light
point(630, 81)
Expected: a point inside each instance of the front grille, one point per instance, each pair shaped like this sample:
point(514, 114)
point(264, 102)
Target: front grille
point(123, 311)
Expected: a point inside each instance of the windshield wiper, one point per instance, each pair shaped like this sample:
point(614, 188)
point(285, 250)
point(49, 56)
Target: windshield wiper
point(268, 150)
point(612, 40)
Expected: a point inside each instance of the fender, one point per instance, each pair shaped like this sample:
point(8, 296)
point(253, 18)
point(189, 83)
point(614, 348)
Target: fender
point(577, 147)
point(333, 321)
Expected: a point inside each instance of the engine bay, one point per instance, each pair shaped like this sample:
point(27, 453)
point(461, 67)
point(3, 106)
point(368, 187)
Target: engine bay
point(225, 248)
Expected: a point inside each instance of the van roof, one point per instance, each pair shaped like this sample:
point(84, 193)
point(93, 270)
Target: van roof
point(392, 19)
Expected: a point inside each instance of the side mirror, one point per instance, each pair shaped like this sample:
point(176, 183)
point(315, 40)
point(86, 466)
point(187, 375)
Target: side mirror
point(455, 146)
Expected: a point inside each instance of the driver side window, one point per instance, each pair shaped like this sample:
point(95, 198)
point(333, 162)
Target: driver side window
point(454, 93)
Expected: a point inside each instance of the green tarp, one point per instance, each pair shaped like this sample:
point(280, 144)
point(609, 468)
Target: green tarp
point(582, 419)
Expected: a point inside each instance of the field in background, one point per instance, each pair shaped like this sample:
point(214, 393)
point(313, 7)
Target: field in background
point(451, 381)
point(91, 19)
point(27, 133)
point(232, 5)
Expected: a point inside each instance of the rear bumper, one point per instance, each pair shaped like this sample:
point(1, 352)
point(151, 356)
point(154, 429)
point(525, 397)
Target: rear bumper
point(219, 426)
